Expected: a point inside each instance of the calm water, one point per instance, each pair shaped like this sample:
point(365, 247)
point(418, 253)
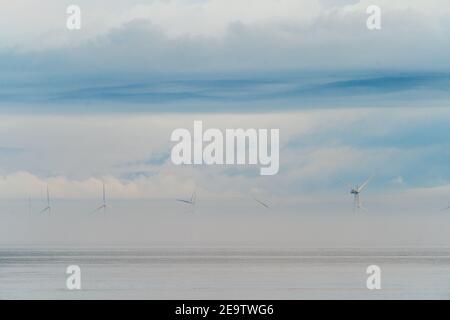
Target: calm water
point(224, 273)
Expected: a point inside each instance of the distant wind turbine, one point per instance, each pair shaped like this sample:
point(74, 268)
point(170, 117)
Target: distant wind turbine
point(190, 201)
point(48, 208)
point(29, 206)
point(104, 205)
point(356, 191)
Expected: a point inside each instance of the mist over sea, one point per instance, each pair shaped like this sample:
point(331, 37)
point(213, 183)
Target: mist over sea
point(149, 251)
point(218, 272)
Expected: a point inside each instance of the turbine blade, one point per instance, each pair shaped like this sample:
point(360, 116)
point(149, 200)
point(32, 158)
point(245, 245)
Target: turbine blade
point(45, 209)
point(364, 184)
point(262, 203)
point(98, 209)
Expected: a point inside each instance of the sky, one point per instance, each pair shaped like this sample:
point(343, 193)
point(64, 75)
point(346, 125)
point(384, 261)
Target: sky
point(79, 108)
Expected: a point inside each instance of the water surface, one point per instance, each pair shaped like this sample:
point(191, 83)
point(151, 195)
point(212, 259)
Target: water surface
point(223, 273)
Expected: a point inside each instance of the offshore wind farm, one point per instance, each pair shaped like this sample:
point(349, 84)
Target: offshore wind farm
point(144, 220)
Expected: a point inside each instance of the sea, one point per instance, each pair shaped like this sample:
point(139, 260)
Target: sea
point(202, 272)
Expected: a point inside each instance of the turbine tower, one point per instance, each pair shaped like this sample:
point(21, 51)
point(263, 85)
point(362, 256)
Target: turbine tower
point(48, 208)
point(356, 192)
point(29, 206)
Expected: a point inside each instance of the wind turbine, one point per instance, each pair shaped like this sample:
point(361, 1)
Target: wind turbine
point(103, 206)
point(356, 191)
point(190, 201)
point(48, 208)
point(262, 203)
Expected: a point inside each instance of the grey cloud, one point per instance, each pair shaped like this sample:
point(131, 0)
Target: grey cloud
point(333, 40)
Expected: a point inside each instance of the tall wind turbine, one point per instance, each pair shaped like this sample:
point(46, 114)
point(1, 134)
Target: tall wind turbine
point(48, 208)
point(356, 191)
point(103, 206)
